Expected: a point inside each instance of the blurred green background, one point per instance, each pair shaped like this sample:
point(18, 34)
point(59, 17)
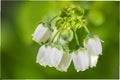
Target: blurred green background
point(18, 51)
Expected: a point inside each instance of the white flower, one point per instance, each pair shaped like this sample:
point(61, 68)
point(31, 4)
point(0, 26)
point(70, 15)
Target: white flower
point(49, 56)
point(41, 34)
point(41, 56)
point(65, 62)
point(55, 57)
point(93, 60)
point(93, 46)
point(80, 60)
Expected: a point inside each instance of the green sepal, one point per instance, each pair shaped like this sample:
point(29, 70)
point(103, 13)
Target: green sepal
point(57, 44)
point(66, 48)
point(80, 49)
point(48, 25)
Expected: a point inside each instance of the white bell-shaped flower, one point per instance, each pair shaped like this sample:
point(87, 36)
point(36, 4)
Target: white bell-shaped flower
point(93, 45)
point(41, 56)
point(55, 57)
point(93, 60)
point(49, 56)
point(80, 60)
point(41, 34)
point(65, 62)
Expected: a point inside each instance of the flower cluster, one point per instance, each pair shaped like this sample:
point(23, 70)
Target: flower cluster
point(55, 42)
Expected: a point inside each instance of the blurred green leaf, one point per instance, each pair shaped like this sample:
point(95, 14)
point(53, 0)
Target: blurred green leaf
point(96, 17)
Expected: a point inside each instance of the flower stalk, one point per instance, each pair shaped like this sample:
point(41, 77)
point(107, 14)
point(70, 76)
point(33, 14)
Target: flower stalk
point(76, 37)
point(54, 18)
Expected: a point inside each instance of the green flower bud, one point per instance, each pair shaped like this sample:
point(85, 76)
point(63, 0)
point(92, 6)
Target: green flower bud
point(67, 35)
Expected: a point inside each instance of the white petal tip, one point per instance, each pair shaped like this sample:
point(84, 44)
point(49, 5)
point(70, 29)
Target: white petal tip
point(61, 70)
point(92, 66)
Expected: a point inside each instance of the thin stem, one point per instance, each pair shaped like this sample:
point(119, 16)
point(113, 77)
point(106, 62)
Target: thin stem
point(61, 31)
point(76, 37)
point(54, 18)
point(59, 35)
point(54, 36)
point(86, 28)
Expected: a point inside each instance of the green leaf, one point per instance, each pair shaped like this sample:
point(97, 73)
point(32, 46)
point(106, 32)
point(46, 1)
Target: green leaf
point(81, 33)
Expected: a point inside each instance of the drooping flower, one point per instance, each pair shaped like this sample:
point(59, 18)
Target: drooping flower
point(49, 56)
point(41, 56)
point(56, 56)
point(65, 62)
point(57, 36)
point(93, 45)
point(41, 34)
point(80, 60)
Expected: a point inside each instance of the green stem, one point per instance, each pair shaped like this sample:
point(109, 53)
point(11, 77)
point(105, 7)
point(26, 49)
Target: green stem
point(76, 37)
point(62, 28)
point(85, 27)
point(59, 31)
point(54, 36)
point(54, 18)
point(59, 34)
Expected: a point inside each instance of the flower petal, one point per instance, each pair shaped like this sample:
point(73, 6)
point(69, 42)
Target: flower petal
point(55, 57)
point(65, 62)
point(93, 46)
point(81, 60)
point(98, 45)
point(48, 55)
point(84, 59)
point(93, 61)
point(41, 34)
point(41, 56)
